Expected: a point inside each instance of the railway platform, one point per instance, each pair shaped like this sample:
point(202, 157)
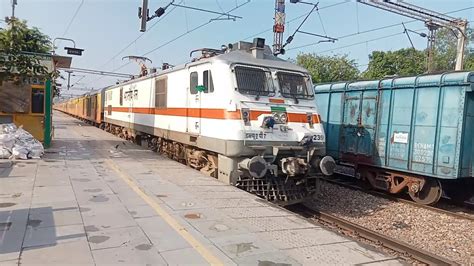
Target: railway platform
point(96, 199)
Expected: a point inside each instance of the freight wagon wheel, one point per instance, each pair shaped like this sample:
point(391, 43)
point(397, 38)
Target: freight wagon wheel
point(429, 194)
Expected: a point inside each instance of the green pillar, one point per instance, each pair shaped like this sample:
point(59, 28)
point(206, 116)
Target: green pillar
point(48, 123)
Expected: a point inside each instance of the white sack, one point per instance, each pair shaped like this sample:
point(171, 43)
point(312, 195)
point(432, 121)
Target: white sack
point(18, 143)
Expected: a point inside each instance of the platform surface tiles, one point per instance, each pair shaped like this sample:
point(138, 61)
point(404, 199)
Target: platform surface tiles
point(95, 199)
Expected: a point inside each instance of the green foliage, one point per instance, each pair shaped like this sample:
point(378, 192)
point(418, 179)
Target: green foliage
point(403, 62)
point(409, 62)
point(18, 46)
point(445, 49)
point(469, 62)
point(328, 68)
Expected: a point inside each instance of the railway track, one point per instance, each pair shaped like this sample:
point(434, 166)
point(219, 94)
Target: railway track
point(350, 228)
point(445, 206)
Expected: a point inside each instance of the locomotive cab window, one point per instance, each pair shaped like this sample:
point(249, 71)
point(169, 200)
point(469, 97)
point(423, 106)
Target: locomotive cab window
point(294, 85)
point(37, 101)
point(254, 81)
point(160, 92)
point(207, 81)
point(193, 82)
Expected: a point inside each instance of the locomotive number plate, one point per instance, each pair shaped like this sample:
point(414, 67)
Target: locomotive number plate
point(318, 138)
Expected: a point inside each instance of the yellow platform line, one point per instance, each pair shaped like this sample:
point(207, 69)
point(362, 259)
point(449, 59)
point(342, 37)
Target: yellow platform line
point(183, 232)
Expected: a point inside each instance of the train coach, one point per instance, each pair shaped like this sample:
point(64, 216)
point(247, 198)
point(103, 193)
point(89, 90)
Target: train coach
point(88, 107)
point(401, 134)
point(238, 113)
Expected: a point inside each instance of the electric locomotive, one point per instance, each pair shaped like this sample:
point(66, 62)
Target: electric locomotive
point(238, 113)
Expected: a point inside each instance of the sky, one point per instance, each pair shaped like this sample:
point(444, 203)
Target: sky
point(108, 30)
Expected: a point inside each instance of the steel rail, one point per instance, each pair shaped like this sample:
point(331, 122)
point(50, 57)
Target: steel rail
point(373, 236)
point(353, 186)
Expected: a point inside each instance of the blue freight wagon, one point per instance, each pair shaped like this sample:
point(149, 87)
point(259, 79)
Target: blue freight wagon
point(399, 134)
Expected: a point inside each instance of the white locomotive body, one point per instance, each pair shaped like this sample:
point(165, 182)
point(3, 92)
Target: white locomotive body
point(240, 114)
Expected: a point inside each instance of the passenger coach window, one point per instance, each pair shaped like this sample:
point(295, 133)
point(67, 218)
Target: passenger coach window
point(160, 93)
point(193, 82)
point(207, 81)
point(253, 81)
point(294, 86)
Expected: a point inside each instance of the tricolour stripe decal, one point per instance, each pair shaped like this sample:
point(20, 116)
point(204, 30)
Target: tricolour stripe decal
point(210, 113)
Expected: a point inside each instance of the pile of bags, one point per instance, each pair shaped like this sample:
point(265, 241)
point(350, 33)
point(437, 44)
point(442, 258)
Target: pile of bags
point(16, 143)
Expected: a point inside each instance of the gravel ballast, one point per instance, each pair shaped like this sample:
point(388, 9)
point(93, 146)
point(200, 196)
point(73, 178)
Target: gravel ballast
point(442, 234)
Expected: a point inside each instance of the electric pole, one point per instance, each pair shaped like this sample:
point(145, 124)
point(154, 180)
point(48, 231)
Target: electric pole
point(279, 26)
point(14, 3)
point(433, 21)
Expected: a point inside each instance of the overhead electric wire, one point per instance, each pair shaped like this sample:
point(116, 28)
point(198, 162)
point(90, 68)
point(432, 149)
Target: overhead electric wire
point(296, 18)
point(95, 72)
point(408, 35)
point(357, 16)
point(202, 25)
point(207, 11)
point(139, 36)
point(376, 29)
point(362, 42)
point(292, 36)
point(133, 41)
point(73, 17)
point(321, 21)
point(219, 5)
point(176, 38)
point(186, 17)
point(184, 34)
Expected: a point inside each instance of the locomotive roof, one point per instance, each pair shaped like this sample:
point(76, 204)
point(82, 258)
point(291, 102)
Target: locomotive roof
point(235, 56)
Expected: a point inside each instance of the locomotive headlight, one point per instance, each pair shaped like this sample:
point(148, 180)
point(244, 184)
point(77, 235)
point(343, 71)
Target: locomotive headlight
point(246, 116)
point(283, 118)
point(276, 117)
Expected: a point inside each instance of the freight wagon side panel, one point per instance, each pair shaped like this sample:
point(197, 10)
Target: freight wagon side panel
point(467, 166)
point(367, 124)
point(460, 111)
point(350, 123)
point(334, 122)
point(329, 102)
point(383, 136)
point(449, 131)
point(423, 133)
point(400, 123)
point(425, 126)
point(357, 138)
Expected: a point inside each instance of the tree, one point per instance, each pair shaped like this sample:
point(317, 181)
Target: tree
point(328, 68)
point(19, 45)
point(445, 50)
point(469, 62)
point(403, 62)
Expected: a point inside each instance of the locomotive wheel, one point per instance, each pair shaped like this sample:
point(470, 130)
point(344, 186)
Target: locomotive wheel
point(429, 194)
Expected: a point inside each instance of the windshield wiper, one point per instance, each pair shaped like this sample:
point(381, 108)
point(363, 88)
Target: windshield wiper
point(257, 97)
point(295, 98)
